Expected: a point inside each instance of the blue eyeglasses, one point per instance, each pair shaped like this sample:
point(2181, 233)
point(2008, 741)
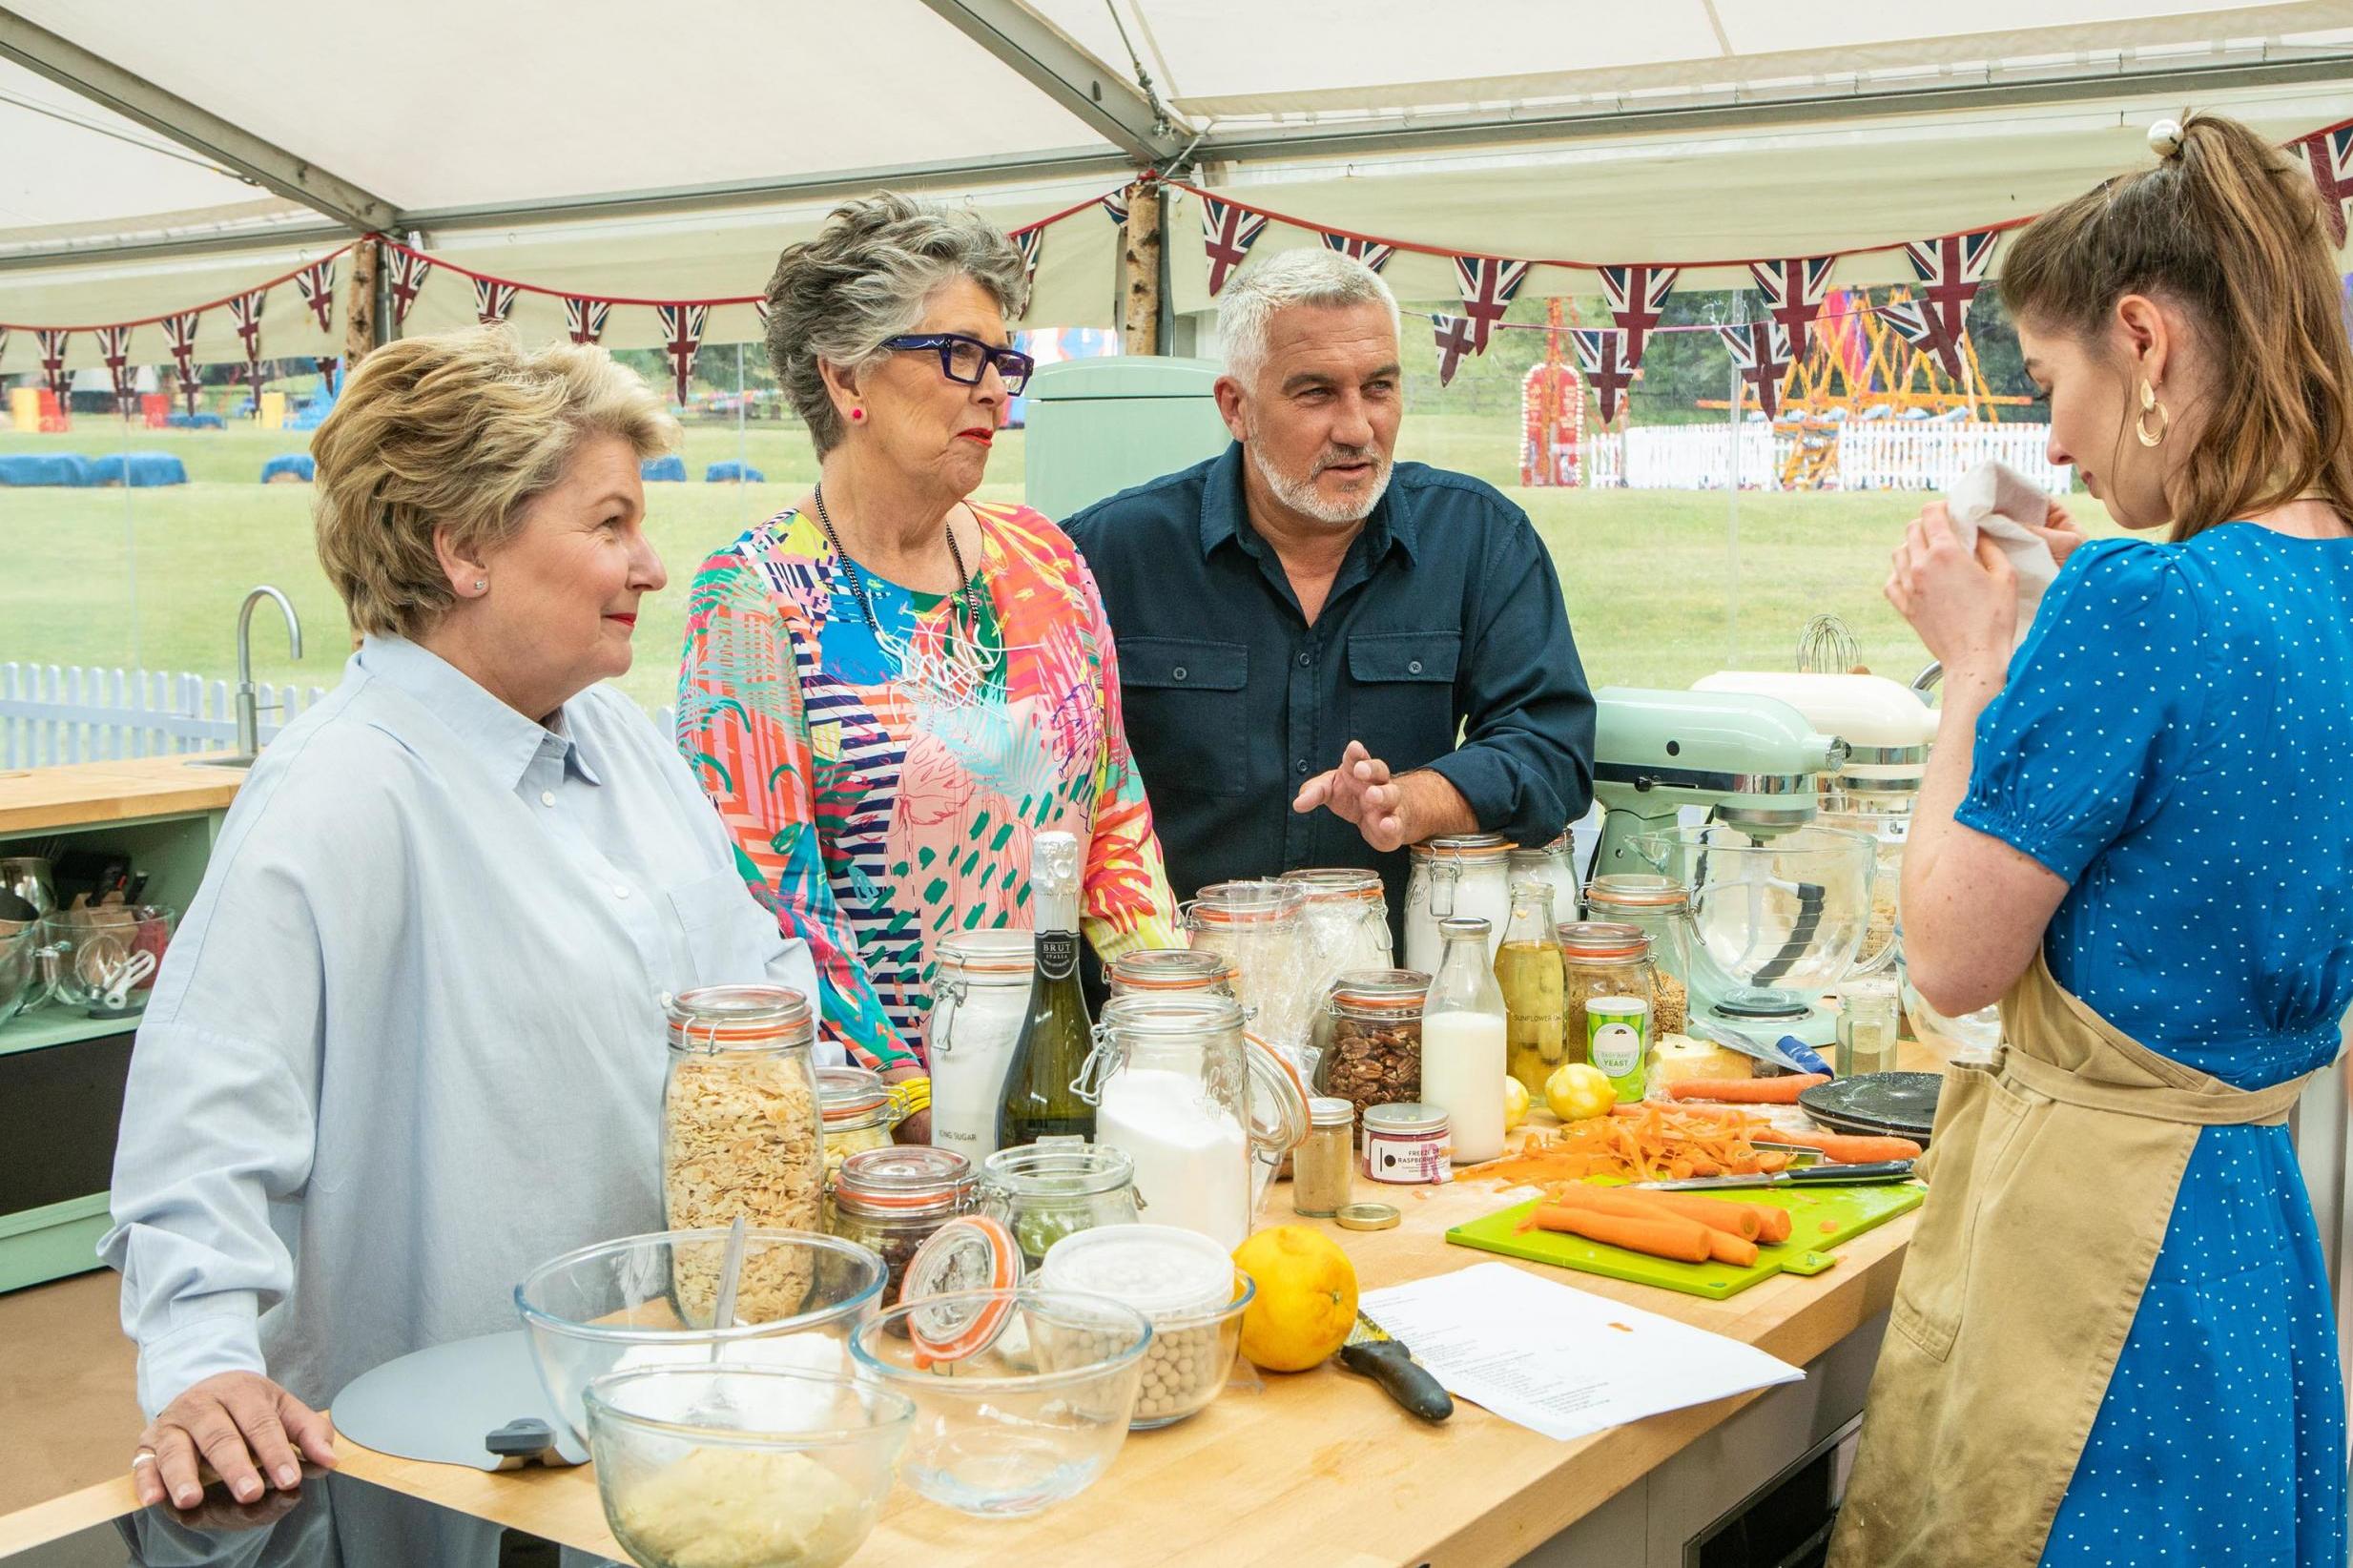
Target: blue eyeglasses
point(967, 359)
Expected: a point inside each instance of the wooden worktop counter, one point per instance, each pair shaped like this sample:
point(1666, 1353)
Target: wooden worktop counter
point(1318, 1467)
point(78, 794)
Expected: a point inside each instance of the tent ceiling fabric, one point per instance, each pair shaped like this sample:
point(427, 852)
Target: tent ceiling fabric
point(590, 97)
point(1379, 54)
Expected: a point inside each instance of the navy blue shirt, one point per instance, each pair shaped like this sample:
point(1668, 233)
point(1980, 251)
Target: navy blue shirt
point(1446, 619)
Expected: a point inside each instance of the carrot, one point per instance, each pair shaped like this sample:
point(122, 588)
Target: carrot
point(1666, 1236)
point(1732, 1219)
point(1850, 1149)
point(1747, 1091)
point(1732, 1249)
point(1774, 1224)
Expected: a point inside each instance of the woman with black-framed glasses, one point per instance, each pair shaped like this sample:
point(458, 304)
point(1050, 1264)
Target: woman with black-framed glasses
point(890, 688)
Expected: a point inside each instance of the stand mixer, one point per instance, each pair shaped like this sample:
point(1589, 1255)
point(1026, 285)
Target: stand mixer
point(1779, 906)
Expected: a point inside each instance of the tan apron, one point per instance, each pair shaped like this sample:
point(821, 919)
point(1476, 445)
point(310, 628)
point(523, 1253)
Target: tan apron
point(2053, 1172)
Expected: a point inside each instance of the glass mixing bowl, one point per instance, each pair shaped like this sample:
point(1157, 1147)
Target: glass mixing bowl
point(723, 1464)
point(612, 1306)
point(1028, 1420)
point(1776, 915)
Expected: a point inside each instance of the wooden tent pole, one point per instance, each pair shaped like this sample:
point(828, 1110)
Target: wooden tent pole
point(1140, 271)
point(359, 320)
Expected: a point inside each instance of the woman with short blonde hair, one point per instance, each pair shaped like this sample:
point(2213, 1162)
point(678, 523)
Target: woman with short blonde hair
point(409, 1037)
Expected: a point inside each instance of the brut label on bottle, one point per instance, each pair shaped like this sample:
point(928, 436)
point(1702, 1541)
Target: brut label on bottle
point(1058, 954)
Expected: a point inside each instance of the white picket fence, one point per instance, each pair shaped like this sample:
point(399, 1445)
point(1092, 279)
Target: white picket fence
point(51, 713)
point(1866, 455)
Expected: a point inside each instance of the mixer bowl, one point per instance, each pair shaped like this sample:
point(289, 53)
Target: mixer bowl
point(1776, 915)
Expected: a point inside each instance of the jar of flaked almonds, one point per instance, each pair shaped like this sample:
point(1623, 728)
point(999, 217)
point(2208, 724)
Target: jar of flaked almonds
point(741, 1136)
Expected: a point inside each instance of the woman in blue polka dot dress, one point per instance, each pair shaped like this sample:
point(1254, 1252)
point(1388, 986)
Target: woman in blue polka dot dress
point(2137, 834)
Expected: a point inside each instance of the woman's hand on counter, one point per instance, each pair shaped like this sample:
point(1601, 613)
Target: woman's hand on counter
point(245, 1426)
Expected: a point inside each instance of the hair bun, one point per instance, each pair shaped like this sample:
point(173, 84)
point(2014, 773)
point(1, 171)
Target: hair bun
point(2165, 139)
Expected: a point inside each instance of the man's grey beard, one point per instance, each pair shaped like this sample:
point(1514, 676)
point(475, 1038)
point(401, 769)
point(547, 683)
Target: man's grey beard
point(1301, 496)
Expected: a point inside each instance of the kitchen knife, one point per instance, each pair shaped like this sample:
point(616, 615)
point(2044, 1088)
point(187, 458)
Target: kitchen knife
point(1370, 1353)
point(1872, 1173)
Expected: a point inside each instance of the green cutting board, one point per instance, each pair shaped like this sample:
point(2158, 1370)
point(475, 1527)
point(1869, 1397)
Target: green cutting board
point(1847, 1211)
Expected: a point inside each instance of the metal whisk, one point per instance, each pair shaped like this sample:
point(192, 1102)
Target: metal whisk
point(1826, 647)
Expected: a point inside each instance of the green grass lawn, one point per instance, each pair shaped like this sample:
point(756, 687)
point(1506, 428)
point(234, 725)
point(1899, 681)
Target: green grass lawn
point(1657, 589)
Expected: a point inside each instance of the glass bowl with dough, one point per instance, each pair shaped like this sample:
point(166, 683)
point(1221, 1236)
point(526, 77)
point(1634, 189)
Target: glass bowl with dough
point(743, 1467)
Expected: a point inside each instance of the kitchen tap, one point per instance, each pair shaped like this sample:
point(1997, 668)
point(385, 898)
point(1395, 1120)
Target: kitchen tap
point(248, 707)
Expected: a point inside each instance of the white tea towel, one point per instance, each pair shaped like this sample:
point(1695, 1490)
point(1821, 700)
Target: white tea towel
point(2001, 503)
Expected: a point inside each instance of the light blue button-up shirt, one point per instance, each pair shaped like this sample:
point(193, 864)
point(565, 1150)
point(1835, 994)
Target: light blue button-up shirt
point(408, 1042)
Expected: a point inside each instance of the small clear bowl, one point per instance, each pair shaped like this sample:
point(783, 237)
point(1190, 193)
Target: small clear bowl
point(1190, 1359)
point(731, 1464)
point(103, 961)
point(1026, 1422)
point(20, 967)
point(611, 1308)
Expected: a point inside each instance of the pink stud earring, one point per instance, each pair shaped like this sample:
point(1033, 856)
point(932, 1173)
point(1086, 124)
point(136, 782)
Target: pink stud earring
point(858, 414)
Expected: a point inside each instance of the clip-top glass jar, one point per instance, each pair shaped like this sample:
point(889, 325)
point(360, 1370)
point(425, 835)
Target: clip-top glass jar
point(1054, 1188)
point(1661, 909)
point(1171, 1083)
point(1374, 1057)
point(740, 1137)
point(1258, 926)
point(890, 1200)
point(1554, 863)
point(1171, 971)
point(857, 1111)
point(980, 997)
point(1601, 958)
point(1347, 921)
point(1466, 874)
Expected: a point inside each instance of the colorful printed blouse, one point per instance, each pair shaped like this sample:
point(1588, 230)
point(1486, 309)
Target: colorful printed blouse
point(882, 793)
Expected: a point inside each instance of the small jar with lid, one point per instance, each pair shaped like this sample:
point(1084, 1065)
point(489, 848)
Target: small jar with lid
point(1323, 1170)
point(1258, 926)
point(859, 1111)
point(1374, 1055)
point(1054, 1188)
point(1407, 1144)
point(1661, 908)
point(1466, 874)
point(1600, 959)
point(1172, 971)
point(890, 1200)
point(740, 1137)
point(1347, 920)
point(979, 1000)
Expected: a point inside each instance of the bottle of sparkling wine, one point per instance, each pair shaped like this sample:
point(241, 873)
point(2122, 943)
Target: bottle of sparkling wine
point(1058, 1036)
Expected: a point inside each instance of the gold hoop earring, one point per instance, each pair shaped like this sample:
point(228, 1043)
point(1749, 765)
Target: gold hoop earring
point(2140, 422)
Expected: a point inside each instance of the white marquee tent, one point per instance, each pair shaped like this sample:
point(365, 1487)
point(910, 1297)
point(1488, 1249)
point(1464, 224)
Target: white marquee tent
point(162, 157)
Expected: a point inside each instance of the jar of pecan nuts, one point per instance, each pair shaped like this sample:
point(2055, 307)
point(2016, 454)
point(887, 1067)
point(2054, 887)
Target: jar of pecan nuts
point(1375, 1053)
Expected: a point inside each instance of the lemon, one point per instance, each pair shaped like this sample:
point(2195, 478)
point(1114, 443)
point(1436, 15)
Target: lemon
point(1514, 1102)
point(1579, 1090)
point(1307, 1298)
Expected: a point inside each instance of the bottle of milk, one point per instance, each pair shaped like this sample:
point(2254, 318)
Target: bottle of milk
point(1463, 1035)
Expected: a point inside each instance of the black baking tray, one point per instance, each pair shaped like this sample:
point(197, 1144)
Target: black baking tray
point(1895, 1104)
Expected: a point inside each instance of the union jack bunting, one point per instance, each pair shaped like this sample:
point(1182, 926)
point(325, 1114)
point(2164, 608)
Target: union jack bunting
point(1371, 252)
point(761, 306)
point(1488, 284)
point(1028, 241)
point(4, 342)
point(585, 319)
point(682, 330)
point(1950, 270)
point(1637, 295)
point(1453, 334)
point(1601, 354)
point(1913, 323)
point(52, 342)
point(1794, 291)
point(245, 310)
point(2329, 155)
point(1115, 202)
point(492, 301)
point(114, 348)
point(1229, 231)
point(317, 281)
point(326, 368)
point(408, 271)
point(1762, 351)
point(181, 332)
